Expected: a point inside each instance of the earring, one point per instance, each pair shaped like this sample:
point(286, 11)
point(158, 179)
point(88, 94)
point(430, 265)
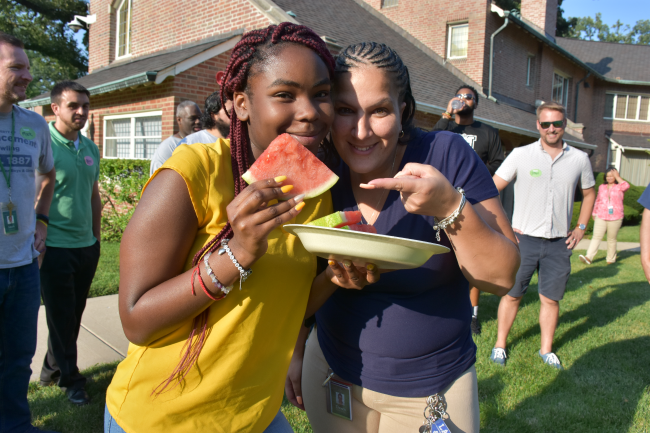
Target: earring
point(401, 133)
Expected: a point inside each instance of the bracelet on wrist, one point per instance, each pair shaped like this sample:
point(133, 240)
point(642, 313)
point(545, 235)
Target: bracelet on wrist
point(446, 115)
point(43, 218)
point(243, 274)
point(213, 277)
point(446, 222)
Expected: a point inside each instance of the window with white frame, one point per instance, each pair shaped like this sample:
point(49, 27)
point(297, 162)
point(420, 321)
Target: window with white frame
point(530, 64)
point(560, 89)
point(132, 136)
point(458, 40)
point(123, 29)
point(622, 106)
point(389, 3)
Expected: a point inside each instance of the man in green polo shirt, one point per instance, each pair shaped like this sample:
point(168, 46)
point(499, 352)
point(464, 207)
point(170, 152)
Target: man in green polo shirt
point(73, 238)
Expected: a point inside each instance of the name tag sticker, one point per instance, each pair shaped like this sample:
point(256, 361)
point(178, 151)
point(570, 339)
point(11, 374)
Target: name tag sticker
point(89, 160)
point(9, 218)
point(339, 401)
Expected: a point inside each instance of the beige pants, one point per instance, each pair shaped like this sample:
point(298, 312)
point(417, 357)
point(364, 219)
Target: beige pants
point(600, 227)
point(373, 412)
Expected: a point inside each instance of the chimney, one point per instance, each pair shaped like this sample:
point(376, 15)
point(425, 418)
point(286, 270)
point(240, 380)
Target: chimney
point(542, 14)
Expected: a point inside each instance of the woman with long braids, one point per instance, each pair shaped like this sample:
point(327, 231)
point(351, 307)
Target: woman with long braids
point(211, 340)
point(406, 337)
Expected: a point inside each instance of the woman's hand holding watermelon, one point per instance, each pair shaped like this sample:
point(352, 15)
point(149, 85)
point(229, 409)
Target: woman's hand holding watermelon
point(252, 220)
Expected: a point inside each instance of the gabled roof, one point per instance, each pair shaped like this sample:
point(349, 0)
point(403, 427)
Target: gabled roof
point(615, 61)
point(148, 69)
point(433, 84)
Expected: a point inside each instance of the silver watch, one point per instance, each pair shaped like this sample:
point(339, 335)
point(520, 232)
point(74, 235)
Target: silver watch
point(582, 226)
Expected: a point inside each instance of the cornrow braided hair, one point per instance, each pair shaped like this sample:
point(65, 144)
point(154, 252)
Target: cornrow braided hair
point(383, 57)
point(254, 47)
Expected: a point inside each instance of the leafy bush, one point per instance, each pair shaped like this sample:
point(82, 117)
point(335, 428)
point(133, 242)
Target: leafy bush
point(632, 210)
point(121, 182)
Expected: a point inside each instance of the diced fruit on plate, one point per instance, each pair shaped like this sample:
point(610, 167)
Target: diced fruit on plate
point(285, 156)
point(338, 219)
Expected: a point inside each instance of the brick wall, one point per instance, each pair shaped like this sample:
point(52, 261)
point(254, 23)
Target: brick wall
point(162, 24)
point(541, 13)
point(428, 20)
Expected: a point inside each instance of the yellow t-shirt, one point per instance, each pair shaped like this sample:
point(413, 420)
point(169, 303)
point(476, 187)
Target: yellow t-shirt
point(237, 384)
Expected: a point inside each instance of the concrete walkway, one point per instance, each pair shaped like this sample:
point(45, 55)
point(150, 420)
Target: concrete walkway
point(101, 338)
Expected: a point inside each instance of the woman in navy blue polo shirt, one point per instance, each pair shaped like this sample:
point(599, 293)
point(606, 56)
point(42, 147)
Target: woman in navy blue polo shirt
point(406, 337)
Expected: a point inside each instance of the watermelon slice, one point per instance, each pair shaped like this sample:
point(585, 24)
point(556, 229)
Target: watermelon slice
point(285, 156)
point(366, 228)
point(337, 219)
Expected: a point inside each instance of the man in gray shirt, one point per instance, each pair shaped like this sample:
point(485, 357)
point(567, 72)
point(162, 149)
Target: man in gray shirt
point(25, 154)
point(188, 117)
point(546, 174)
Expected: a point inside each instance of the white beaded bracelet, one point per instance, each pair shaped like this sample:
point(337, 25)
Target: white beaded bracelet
point(213, 277)
point(243, 274)
point(443, 224)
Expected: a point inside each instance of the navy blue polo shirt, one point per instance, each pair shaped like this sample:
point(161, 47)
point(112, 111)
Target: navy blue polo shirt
point(409, 334)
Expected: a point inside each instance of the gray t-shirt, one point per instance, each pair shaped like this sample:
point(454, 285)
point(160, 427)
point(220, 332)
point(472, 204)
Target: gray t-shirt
point(545, 188)
point(162, 154)
point(32, 151)
point(198, 137)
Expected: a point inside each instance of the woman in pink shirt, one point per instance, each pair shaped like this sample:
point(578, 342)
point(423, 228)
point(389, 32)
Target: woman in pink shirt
point(608, 215)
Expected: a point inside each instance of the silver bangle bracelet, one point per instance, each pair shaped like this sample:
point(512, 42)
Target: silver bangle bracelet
point(444, 223)
point(243, 274)
point(213, 277)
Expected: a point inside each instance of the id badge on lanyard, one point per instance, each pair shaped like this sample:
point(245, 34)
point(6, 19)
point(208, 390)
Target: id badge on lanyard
point(339, 397)
point(9, 218)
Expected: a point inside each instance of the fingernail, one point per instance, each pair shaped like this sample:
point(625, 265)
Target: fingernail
point(285, 189)
point(300, 205)
point(299, 198)
point(331, 263)
point(370, 266)
point(280, 179)
point(299, 399)
point(347, 263)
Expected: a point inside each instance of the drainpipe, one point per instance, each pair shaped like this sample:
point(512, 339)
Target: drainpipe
point(575, 109)
point(502, 13)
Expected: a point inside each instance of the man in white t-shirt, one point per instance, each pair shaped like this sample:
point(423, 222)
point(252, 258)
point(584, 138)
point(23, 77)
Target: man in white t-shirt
point(25, 157)
point(546, 175)
point(188, 117)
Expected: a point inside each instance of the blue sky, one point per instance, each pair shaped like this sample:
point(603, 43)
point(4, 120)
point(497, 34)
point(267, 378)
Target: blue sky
point(628, 11)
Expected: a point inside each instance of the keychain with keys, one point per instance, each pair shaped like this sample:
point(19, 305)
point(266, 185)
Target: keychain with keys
point(433, 413)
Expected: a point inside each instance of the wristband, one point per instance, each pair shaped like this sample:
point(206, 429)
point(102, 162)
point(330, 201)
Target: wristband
point(446, 115)
point(43, 218)
point(446, 222)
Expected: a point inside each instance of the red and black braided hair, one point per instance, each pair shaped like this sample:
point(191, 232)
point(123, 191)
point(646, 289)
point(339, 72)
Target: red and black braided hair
point(254, 47)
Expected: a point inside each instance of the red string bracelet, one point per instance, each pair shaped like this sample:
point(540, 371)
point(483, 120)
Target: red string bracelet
point(197, 271)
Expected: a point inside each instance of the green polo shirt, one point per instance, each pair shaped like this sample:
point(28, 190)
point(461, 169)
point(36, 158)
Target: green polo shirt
point(71, 215)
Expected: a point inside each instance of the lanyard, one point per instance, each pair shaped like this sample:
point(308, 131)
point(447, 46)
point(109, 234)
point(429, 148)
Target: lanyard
point(11, 155)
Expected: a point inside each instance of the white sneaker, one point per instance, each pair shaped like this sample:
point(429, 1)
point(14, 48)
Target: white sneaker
point(584, 259)
point(498, 356)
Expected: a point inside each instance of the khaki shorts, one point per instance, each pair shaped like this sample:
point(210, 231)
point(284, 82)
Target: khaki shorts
point(374, 412)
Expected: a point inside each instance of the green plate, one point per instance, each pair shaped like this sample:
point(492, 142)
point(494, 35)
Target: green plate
point(387, 252)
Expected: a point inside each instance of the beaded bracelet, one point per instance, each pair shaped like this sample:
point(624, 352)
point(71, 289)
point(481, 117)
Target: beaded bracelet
point(243, 274)
point(197, 271)
point(213, 277)
point(446, 222)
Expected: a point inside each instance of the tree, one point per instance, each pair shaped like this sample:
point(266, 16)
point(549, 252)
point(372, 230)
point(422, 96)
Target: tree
point(595, 29)
point(53, 52)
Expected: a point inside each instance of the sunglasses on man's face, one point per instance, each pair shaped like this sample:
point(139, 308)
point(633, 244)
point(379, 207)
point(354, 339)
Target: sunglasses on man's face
point(557, 124)
point(467, 96)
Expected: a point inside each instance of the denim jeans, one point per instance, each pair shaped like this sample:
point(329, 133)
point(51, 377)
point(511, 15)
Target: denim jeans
point(20, 298)
point(278, 425)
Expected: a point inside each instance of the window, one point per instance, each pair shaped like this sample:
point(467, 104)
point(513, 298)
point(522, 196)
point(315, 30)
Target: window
point(627, 107)
point(389, 3)
point(530, 64)
point(123, 29)
point(560, 89)
point(132, 136)
point(458, 40)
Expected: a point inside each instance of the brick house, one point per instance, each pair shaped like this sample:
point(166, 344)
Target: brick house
point(146, 57)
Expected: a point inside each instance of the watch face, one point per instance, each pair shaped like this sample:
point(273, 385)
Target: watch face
point(582, 226)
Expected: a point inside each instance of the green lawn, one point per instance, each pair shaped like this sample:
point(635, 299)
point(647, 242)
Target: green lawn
point(625, 234)
point(603, 341)
point(107, 277)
